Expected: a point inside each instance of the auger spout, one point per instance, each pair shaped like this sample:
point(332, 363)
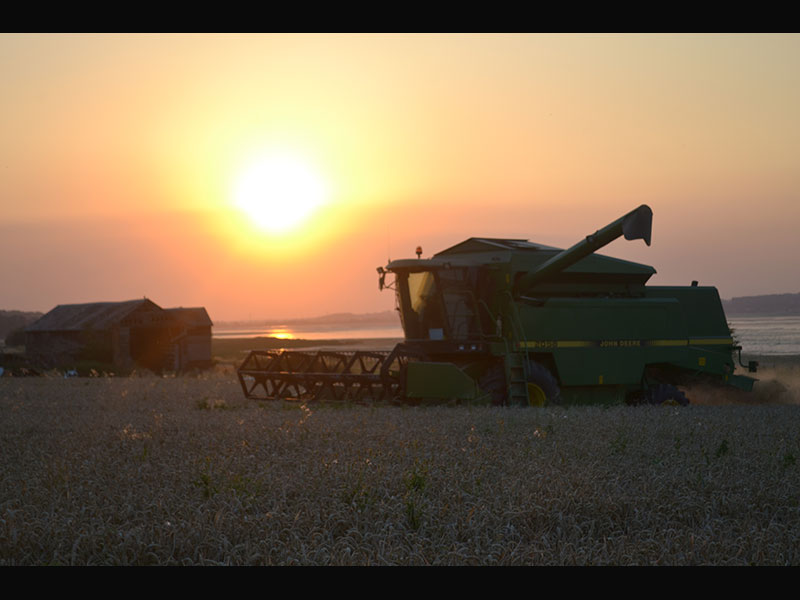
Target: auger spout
point(635, 225)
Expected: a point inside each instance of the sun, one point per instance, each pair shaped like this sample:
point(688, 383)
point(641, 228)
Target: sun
point(279, 192)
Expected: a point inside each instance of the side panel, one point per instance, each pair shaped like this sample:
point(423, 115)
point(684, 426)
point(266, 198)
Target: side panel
point(602, 341)
point(605, 341)
point(710, 343)
point(439, 380)
point(705, 316)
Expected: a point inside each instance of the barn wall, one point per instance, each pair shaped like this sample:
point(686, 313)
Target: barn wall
point(198, 343)
point(65, 348)
point(122, 346)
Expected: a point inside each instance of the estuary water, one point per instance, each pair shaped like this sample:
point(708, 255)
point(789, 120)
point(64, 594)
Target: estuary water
point(341, 332)
point(778, 336)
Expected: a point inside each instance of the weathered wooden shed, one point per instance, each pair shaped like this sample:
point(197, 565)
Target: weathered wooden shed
point(135, 333)
point(192, 347)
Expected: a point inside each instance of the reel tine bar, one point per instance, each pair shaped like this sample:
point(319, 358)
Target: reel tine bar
point(357, 376)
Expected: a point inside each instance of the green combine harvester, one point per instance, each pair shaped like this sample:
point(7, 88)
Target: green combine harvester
point(510, 322)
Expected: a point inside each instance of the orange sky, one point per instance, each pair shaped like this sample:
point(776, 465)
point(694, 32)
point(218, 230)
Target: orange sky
point(120, 155)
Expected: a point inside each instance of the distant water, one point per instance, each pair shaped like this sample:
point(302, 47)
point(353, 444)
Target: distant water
point(767, 335)
point(757, 335)
point(313, 332)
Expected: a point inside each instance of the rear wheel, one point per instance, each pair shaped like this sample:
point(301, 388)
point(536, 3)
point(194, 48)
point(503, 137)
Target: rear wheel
point(542, 386)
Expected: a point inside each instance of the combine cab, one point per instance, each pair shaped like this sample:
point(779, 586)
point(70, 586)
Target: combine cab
point(506, 321)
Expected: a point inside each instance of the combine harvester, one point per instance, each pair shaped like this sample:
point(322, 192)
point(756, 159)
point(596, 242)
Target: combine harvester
point(510, 322)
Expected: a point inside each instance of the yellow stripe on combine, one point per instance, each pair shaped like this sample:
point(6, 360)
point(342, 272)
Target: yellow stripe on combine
point(545, 344)
point(574, 344)
point(709, 341)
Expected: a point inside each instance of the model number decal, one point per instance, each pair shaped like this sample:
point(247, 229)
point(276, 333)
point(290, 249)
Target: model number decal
point(541, 344)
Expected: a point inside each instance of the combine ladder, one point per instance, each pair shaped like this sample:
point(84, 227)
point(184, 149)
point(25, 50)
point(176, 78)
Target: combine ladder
point(517, 379)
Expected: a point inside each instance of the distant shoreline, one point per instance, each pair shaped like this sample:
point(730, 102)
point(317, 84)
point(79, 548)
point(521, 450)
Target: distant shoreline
point(387, 318)
point(769, 305)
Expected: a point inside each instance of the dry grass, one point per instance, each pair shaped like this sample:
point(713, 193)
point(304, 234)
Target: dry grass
point(186, 471)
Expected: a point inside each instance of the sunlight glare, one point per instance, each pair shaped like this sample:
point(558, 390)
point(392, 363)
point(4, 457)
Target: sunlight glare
point(281, 333)
point(279, 192)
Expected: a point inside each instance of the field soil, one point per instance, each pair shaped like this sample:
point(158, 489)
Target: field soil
point(149, 470)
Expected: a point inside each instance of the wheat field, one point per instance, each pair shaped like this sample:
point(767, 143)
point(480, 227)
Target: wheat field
point(186, 471)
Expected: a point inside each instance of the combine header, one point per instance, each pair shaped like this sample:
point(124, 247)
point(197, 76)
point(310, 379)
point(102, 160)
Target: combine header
point(353, 376)
point(506, 321)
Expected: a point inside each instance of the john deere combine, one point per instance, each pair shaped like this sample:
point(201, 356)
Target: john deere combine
point(507, 321)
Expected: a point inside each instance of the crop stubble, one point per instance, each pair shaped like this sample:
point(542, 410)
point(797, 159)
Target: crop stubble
point(145, 470)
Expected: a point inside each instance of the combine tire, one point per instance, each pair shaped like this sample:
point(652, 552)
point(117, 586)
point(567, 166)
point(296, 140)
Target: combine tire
point(542, 386)
point(493, 383)
point(666, 394)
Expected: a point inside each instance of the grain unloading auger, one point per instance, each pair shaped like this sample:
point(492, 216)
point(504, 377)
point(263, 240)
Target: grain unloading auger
point(507, 321)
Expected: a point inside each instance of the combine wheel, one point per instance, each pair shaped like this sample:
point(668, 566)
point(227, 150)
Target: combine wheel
point(493, 383)
point(666, 395)
point(542, 386)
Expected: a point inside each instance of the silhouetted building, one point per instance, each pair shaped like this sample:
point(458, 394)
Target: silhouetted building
point(192, 347)
point(136, 333)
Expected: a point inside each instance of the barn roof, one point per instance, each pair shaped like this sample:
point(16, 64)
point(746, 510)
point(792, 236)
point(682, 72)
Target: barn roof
point(94, 315)
point(191, 317)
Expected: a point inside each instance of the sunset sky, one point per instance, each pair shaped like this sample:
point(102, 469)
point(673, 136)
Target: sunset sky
point(132, 165)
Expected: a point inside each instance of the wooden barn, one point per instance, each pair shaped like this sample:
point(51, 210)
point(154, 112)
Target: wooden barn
point(131, 334)
point(192, 346)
